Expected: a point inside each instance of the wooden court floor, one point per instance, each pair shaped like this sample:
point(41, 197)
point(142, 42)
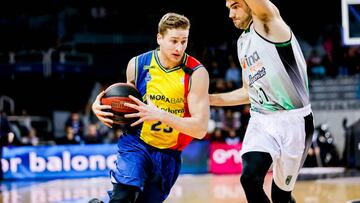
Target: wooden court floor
point(188, 189)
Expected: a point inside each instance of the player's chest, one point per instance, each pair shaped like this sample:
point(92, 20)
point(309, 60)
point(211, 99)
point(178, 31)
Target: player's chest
point(166, 85)
point(251, 58)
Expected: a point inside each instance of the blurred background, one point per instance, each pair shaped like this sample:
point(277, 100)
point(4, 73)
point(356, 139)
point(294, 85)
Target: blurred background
point(57, 55)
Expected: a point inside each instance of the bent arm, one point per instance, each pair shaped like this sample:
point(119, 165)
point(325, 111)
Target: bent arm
point(262, 9)
point(268, 22)
point(130, 72)
point(198, 103)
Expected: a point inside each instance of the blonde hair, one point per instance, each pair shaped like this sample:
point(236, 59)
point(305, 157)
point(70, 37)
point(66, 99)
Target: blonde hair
point(173, 21)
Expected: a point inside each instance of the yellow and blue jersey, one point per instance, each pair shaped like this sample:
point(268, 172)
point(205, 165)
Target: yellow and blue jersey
point(168, 90)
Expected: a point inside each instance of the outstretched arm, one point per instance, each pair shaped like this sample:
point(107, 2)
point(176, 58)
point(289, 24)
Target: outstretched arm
point(233, 98)
point(236, 97)
point(268, 22)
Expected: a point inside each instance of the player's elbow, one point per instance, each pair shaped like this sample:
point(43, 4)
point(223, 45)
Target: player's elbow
point(202, 135)
point(201, 131)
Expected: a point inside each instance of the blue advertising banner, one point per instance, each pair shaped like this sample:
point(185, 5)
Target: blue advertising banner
point(58, 161)
point(75, 161)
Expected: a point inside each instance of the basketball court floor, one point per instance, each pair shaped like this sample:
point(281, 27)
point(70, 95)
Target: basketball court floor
point(329, 186)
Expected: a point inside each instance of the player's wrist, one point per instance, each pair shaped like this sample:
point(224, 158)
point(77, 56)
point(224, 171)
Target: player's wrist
point(163, 116)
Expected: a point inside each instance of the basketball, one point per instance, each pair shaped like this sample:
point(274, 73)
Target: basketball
point(116, 95)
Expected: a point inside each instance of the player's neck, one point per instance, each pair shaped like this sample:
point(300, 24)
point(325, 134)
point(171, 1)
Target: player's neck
point(247, 28)
point(165, 62)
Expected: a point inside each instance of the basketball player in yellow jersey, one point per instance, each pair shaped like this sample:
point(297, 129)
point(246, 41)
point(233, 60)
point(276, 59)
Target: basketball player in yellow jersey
point(174, 110)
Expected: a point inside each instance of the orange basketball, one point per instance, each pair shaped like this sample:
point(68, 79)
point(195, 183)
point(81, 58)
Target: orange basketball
point(116, 95)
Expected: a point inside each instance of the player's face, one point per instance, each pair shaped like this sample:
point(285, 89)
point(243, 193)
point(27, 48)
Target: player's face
point(173, 44)
point(239, 12)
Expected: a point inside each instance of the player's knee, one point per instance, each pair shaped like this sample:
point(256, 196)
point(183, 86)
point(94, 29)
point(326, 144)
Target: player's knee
point(124, 194)
point(251, 181)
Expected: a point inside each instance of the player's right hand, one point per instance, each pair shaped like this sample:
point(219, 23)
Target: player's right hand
point(98, 110)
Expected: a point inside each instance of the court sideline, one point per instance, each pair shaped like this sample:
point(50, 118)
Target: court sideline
point(206, 188)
